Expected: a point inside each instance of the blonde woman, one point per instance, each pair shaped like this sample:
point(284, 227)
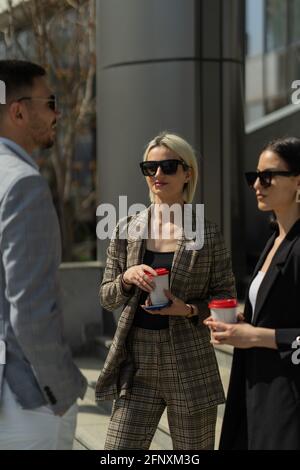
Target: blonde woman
point(163, 358)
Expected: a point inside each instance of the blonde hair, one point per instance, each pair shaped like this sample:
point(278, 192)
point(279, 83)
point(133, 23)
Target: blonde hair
point(186, 153)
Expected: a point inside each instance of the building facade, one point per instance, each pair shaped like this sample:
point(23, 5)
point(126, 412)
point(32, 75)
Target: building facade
point(218, 73)
point(173, 65)
point(272, 66)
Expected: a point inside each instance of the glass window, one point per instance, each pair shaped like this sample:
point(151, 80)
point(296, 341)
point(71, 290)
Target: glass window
point(293, 66)
point(276, 23)
point(275, 81)
point(294, 21)
point(255, 26)
point(273, 34)
point(254, 88)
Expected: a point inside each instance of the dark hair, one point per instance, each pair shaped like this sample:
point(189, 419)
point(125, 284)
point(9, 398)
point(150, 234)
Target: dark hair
point(19, 75)
point(288, 149)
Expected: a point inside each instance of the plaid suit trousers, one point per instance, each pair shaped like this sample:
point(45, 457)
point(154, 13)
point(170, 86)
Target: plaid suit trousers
point(156, 385)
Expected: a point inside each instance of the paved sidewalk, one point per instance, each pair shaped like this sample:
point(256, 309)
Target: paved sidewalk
point(93, 419)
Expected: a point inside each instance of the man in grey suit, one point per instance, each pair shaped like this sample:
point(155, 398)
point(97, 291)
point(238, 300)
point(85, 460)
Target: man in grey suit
point(39, 383)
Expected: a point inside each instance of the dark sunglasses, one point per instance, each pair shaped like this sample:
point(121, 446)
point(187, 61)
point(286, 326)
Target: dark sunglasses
point(265, 177)
point(168, 167)
point(51, 101)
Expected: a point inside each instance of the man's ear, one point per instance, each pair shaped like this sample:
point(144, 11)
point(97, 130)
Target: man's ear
point(16, 112)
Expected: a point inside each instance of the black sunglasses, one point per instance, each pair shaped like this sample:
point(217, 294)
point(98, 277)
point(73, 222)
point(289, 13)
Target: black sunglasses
point(265, 177)
point(168, 167)
point(51, 101)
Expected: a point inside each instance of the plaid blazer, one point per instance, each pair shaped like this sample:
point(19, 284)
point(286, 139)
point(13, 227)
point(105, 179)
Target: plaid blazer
point(196, 277)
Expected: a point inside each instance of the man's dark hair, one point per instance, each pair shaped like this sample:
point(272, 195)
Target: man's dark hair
point(18, 76)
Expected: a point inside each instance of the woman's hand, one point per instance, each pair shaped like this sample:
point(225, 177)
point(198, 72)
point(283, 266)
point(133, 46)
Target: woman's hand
point(178, 307)
point(240, 335)
point(136, 276)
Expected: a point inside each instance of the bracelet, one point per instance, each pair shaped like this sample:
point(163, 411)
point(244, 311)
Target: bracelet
point(191, 312)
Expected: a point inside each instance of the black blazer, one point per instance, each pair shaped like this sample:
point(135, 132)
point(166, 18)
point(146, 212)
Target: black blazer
point(263, 404)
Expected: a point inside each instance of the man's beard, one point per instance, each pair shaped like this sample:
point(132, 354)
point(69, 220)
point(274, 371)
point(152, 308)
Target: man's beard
point(47, 145)
point(44, 142)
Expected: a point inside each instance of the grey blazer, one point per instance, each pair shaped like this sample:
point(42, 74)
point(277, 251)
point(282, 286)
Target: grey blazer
point(39, 366)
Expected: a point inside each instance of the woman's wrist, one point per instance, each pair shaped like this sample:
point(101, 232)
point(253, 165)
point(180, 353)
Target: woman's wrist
point(264, 338)
point(126, 285)
point(124, 280)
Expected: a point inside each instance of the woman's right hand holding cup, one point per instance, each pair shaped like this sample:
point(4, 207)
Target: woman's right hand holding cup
point(140, 276)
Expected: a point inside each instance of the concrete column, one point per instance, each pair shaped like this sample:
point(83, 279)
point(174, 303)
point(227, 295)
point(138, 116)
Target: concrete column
point(220, 40)
point(171, 65)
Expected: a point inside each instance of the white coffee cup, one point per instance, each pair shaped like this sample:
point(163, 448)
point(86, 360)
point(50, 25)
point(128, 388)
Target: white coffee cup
point(224, 310)
point(161, 281)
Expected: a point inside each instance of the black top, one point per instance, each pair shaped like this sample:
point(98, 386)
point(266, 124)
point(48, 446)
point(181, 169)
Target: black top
point(143, 319)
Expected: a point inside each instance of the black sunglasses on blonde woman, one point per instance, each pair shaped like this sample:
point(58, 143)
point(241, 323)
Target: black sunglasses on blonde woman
point(168, 167)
